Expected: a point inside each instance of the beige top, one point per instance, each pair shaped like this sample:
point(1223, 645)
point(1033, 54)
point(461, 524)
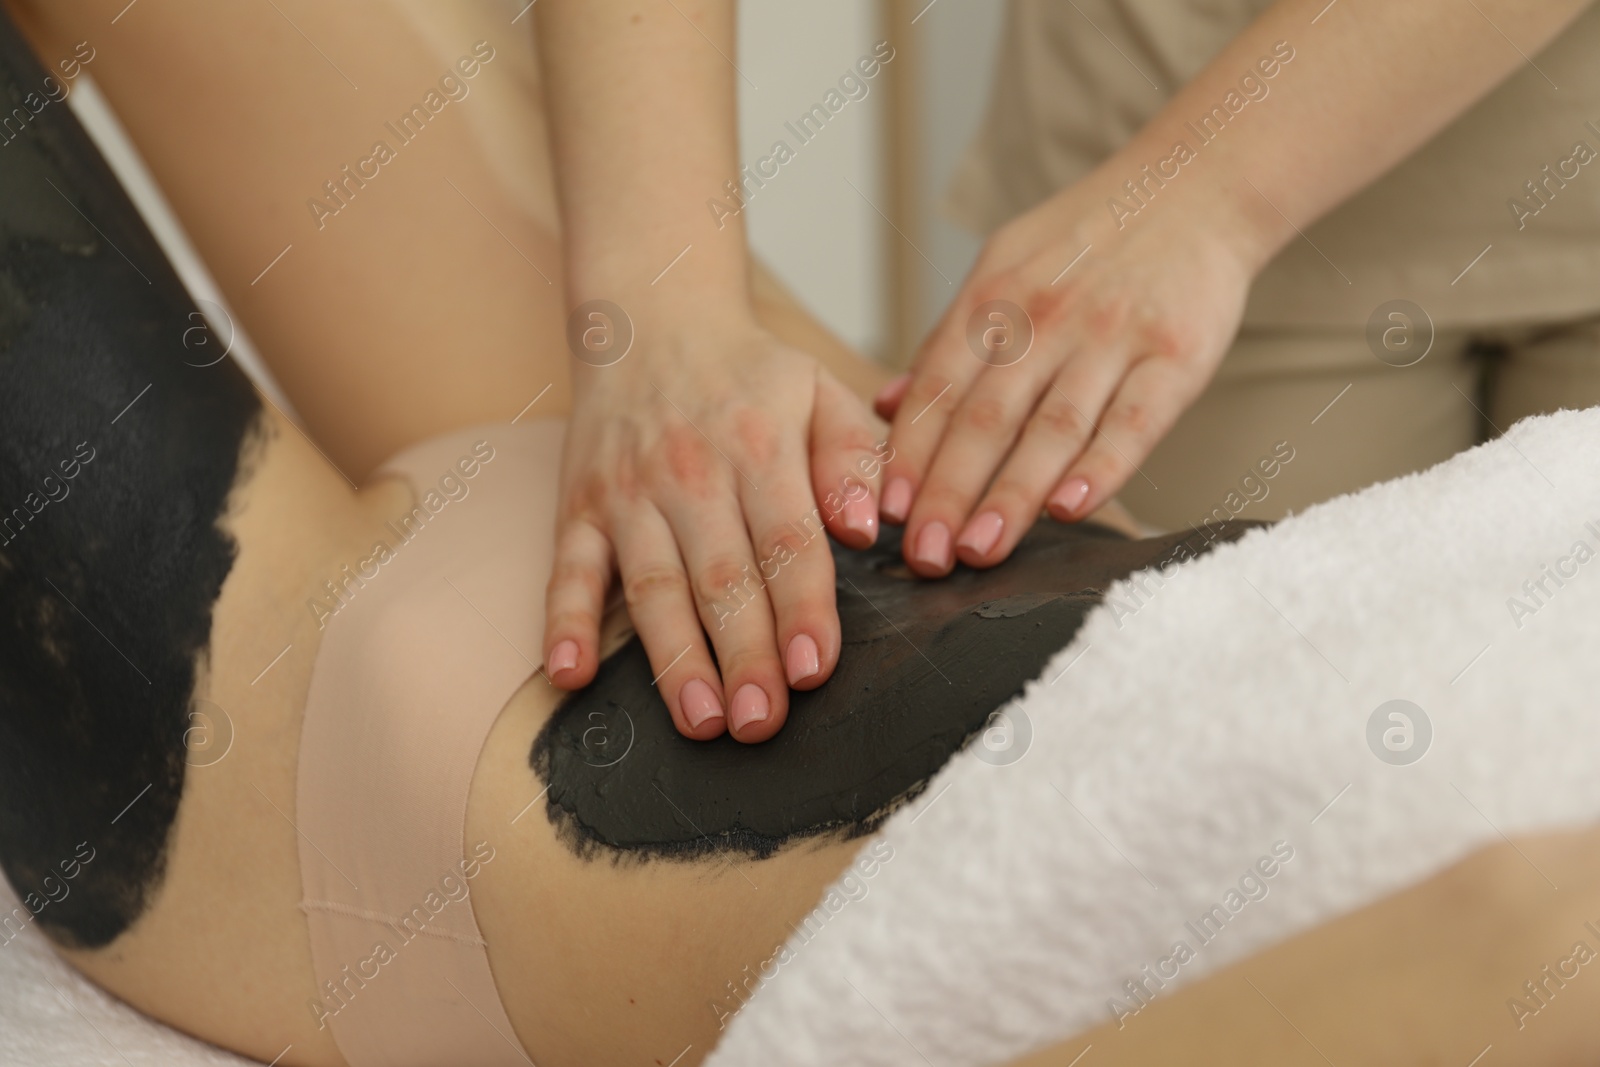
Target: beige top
point(1064, 99)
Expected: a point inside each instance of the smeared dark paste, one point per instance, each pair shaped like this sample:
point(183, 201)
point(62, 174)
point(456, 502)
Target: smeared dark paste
point(117, 454)
point(923, 665)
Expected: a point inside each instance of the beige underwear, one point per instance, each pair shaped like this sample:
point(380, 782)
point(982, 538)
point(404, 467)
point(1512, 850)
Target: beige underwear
point(426, 637)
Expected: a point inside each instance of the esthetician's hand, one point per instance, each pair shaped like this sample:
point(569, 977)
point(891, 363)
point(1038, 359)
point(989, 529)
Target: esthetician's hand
point(696, 469)
point(1127, 326)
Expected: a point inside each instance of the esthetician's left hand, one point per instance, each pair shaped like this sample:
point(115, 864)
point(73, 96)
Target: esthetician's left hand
point(1125, 337)
point(1097, 339)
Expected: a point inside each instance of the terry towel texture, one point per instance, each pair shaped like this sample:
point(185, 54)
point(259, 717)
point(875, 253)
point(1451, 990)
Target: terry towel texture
point(1204, 721)
point(52, 1016)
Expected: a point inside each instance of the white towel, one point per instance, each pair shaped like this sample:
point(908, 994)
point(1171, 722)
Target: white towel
point(1209, 721)
point(52, 1016)
point(1199, 724)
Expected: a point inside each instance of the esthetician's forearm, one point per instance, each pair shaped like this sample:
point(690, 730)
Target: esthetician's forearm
point(1368, 84)
point(643, 118)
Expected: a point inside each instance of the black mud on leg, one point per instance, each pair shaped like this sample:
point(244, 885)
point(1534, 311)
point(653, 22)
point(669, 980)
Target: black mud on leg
point(923, 666)
point(116, 460)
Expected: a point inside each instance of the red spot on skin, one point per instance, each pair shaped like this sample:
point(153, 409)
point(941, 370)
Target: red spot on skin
point(756, 438)
point(687, 461)
point(1048, 305)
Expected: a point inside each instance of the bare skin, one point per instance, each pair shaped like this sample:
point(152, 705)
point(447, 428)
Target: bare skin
point(1422, 977)
point(687, 463)
point(588, 957)
point(1129, 336)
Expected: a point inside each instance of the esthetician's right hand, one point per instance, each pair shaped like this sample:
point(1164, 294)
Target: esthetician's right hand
point(695, 468)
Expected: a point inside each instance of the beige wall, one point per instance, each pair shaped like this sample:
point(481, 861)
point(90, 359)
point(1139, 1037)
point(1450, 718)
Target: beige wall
point(819, 234)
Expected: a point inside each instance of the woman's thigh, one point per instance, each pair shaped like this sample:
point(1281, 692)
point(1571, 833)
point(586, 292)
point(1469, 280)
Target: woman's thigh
point(1437, 973)
point(415, 295)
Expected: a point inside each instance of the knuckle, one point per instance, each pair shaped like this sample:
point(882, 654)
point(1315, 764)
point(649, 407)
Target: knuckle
point(940, 501)
point(1009, 495)
point(574, 621)
point(925, 388)
point(1165, 339)
point(778, 549)
point(725, 576)
point(649, 583)
point(1132, 416)
point(855, 438)
point(681, 460)
point(983, 415)
point(570, 578)
point(747, 661)
point(1050, 305)
point(757, 435)
point(1058, 418)
point(1105, 317)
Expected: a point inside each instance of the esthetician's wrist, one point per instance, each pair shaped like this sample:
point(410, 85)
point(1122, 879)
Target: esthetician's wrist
point(1198, 198)
point(692, 290)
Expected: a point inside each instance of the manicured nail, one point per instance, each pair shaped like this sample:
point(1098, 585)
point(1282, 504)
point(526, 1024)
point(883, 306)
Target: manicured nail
point(699, 703)
point(749, 706)
point(862, 517)
point(897, 500)
point(933, 546)
point(982, 532)
point(1070, 496)
point(563, 657)
point(800, 661)
point(891, 393)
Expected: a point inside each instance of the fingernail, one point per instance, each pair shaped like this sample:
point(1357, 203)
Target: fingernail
point(862, 517)
point(891, 393)
point(563, 657)
point(933, 546)
point(699, 703)
point(1070, 496)
point(800, 661)
point(897, 500)
point(982, 532)
point(749, 706)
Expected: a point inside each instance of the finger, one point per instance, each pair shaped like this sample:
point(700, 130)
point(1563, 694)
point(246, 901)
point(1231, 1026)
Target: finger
point(981, 432)
point(1060, 427)
point(795, 565)
point(574, 601)
point(733, 607)
point(887, 402)
point(1145, 406)
point(662, 608)
point(943, 371)
point(846, 464)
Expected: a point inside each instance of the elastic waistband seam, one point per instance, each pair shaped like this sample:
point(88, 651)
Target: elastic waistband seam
point(349, 911)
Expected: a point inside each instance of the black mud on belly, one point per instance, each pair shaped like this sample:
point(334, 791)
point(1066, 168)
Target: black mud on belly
point(924, 664)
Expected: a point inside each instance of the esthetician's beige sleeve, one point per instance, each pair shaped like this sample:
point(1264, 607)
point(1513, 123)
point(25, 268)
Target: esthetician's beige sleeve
point(1076, 80)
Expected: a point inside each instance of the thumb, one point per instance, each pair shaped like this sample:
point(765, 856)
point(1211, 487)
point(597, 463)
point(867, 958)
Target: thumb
point(887, 402)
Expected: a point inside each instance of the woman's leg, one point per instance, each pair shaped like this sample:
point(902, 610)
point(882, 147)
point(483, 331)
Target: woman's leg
point(1435, 974)
point(409, 303)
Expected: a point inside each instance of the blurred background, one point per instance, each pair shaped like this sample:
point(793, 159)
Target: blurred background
point(852, 223)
